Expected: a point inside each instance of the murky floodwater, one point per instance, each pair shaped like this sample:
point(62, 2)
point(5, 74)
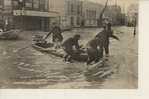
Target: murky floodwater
point(29, 68)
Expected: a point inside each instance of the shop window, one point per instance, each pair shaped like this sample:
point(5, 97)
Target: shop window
point(72, 8)
point(78, 21)
point(72, 21)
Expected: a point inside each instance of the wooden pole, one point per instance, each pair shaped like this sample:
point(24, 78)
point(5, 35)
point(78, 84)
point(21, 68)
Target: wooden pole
point(102, 12)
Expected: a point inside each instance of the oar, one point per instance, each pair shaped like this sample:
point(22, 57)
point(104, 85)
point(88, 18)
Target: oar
point(15, 51)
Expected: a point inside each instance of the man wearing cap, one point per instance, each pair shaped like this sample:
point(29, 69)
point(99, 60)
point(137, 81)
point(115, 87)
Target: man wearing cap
point(94, 50)
point(57, 36)
point(104, 37)
point(68, 47)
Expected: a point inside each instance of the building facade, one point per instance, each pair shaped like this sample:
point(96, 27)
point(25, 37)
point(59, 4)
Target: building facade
point(62, 19)
point(91, 13)
point(27, 14)
point(132, 15)
point(70, 12)
point(77, 13)
point(114, 14)
point(41, 14)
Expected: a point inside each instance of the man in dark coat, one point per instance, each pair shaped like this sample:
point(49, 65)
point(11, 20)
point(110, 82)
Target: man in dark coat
point(68, 47)
point(104, 37)
point(57, 34)
point(57, 37)
point(93, 50)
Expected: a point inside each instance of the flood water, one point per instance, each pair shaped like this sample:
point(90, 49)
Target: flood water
point(29, 68)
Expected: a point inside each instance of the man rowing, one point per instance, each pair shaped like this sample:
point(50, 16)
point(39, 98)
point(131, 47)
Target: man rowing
point(57, 37)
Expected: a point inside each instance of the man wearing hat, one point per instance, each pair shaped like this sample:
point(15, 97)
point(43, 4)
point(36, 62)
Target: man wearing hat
point(104, 37)
point(68, 46)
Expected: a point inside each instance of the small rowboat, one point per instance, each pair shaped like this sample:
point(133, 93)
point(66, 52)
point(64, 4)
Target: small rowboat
point(59, 52)
point(9, 35)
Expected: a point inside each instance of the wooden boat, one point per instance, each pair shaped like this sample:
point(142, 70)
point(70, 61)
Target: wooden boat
point(49, 49)
point(41, 45)
point(99, 71)
point(9, 35)
point(94, 72)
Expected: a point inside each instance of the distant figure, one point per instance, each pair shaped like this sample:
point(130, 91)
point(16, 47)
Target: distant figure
point(134, 34)
point(6, 25)
point(1, 28)
point(68, 47)
point(94, 50)
point(104, 36)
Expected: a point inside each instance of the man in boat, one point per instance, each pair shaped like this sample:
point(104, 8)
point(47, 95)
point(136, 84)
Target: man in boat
point(94, 50)
point(95, 47)
point(68, 46)
point(104, 37)
point(57, 37)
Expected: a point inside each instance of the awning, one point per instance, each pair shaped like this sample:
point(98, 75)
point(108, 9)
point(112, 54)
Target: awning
point(34, 13)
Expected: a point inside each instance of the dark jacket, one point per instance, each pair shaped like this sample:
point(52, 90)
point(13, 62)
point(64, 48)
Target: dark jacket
point(69, 43)
point(94, 43)
point(57, 34)
point(104, 36)
point(56, 31)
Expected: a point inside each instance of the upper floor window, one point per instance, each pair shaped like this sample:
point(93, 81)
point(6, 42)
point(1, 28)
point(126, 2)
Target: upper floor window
point(28, 4)
point(36, 4)
point(72, 8)
point(1, 2)
point(7, 2)
point(46, 5)
point(68, 7)
point(40, 5)
point(15, 4)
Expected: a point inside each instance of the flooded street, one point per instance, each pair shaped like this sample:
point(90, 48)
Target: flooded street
point(30, 68)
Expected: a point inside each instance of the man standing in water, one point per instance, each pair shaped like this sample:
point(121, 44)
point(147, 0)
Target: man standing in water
point(93, 50)
point(104, 37)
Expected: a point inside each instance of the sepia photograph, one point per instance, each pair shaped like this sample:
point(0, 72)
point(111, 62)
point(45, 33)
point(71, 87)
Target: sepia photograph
point(69, 44)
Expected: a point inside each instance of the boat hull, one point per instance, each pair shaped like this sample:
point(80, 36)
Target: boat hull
point(77, 57)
